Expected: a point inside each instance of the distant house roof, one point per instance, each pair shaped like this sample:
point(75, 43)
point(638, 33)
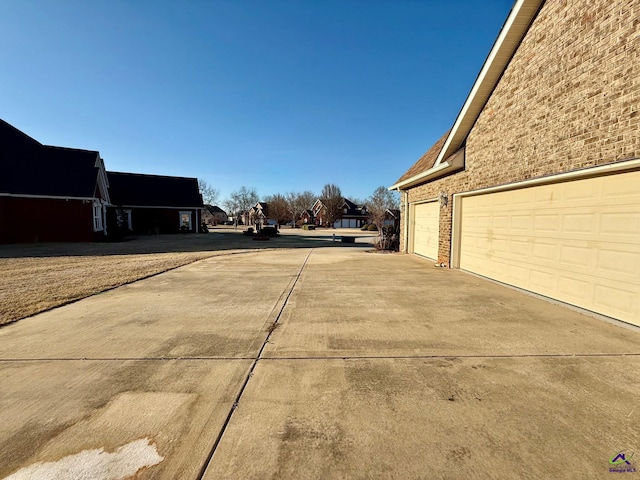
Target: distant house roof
point(29, 168)
point(214, 209)
point(317, 207)
point(139, 190)
point(354, 210)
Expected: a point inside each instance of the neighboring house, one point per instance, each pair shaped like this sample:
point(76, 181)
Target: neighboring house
point(214, 215)
point(537, 185)
point(259, 215)
point(307, 217)
point(242, 218)
point(49, 194)
point(319, 213)
point(352, 216)
point(154, 203)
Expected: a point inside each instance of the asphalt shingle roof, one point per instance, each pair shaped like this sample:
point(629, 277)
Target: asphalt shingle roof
point(426, 161)
point(29, 168)
point(139, 190)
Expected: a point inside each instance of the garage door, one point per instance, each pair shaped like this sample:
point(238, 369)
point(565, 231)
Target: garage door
point(578, 241)
point(425, 229)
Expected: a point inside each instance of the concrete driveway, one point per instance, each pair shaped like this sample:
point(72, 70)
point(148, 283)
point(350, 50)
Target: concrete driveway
point(317, 363)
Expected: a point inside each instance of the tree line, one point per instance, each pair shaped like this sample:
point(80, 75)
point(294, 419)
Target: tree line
point(285, 208)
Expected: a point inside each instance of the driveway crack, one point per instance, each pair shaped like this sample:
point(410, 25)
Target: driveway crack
point(278, 313)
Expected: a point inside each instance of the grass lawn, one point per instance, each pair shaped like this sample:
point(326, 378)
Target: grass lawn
point(36, 278)
point(34, 284)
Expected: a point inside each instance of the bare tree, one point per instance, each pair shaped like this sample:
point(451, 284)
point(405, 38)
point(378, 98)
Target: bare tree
point(377, 205)
point(240, 201)
point(298, 202)
point(232, 208)
point(333, 200)
point(210, 194)
point(278, 208)
point(305, 200)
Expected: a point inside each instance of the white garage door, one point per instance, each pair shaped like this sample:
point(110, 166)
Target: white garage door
point(426, 229)
point(578, 241)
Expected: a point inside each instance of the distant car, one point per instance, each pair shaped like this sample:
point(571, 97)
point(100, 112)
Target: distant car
point(269, 231)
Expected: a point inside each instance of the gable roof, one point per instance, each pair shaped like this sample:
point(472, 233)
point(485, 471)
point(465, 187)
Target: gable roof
point(317, 206)
point(353, 209)
point(29, 168)
point(515, 28)
point(140, 190)
point(14, 141)
point(350, 205)
point(214, 209)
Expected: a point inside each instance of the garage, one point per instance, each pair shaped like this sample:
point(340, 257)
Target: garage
point(426, 229)
point(575, 241)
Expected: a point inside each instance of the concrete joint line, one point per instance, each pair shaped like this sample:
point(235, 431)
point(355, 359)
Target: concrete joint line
point(349, 357)
point(277, 311)
point(423, 357)
point(121, 359)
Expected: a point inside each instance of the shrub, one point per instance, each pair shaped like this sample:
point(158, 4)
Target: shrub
point(372, 228)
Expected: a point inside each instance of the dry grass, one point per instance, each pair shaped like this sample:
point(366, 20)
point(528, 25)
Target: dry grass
point(34, 284)
point(35, 278)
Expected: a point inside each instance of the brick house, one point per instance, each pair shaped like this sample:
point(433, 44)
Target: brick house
point(259, 215)
point(213, 215)
point(49, 194)
point(155, 203)
point(537, 184)
point(307, 217)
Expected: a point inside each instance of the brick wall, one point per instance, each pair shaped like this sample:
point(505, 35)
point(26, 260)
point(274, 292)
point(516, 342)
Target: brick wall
point(36, 220)
point(569, 99)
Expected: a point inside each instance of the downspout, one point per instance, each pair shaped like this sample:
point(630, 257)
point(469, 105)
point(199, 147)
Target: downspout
point(405, 198)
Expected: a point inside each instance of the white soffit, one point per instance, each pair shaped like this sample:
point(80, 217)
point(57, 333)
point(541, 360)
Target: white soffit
point(512, 33)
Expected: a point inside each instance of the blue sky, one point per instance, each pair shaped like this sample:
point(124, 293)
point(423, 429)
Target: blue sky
point(280, 95)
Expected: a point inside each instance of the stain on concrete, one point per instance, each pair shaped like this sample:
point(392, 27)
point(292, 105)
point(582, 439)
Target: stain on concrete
point(125, 462)
point(325, 441)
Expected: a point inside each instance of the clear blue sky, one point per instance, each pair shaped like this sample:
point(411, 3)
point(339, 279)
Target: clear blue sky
point(280, 95)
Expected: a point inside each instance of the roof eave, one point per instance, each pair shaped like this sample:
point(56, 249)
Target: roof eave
point(453, 164)
point(515, 28)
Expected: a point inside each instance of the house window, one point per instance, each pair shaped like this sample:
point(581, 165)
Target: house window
point(185, 221)
point(97, 216)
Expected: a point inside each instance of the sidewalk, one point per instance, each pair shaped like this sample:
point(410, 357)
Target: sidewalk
point(317, 363)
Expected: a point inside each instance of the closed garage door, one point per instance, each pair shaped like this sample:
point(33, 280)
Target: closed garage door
point(425, 229)
point(578, 241)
